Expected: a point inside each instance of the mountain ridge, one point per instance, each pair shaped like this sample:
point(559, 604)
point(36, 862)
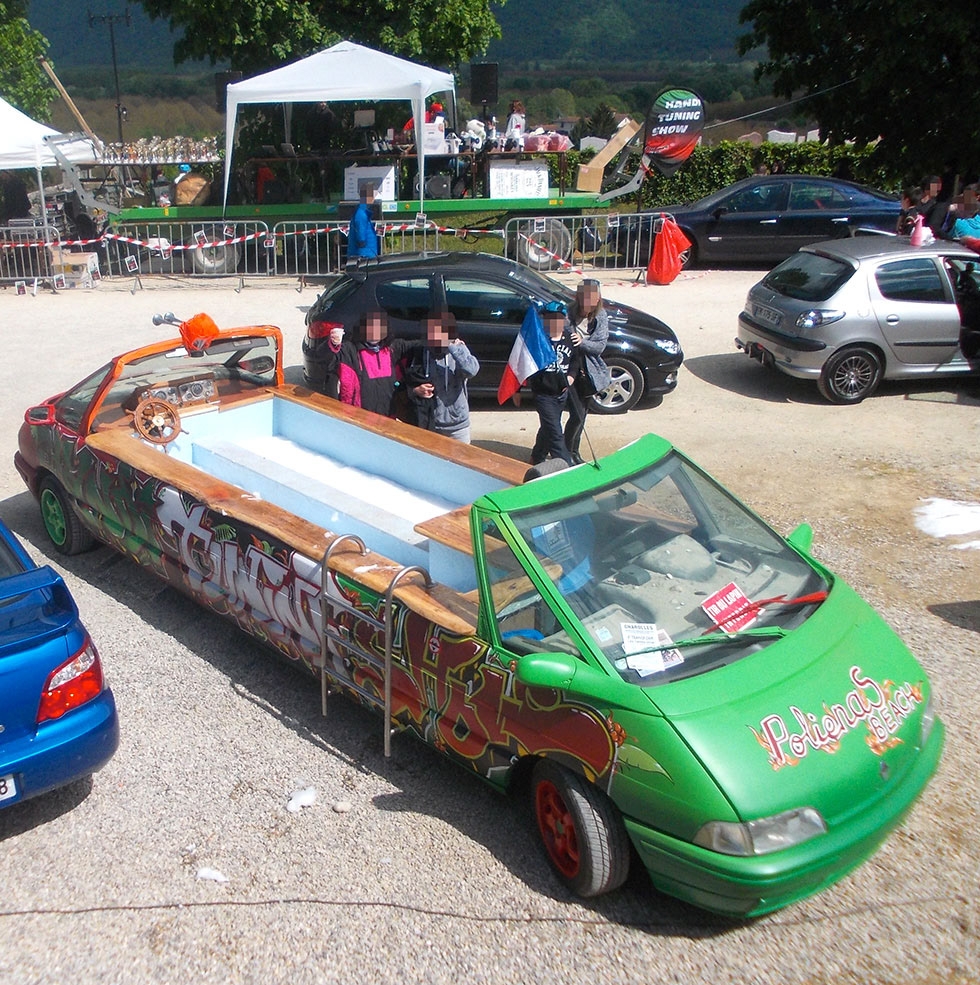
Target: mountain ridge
point(611, 32)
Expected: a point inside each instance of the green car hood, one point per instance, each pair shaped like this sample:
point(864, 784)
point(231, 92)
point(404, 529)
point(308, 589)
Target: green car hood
point(826, 717)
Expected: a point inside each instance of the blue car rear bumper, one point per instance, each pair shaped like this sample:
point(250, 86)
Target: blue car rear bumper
point(61, 751)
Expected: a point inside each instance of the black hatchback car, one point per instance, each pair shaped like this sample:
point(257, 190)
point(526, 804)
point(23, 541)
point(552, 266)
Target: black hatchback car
point(762, 219)
point(489, 297)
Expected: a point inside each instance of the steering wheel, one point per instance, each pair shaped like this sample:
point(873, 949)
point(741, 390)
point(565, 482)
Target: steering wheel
point(156, 420)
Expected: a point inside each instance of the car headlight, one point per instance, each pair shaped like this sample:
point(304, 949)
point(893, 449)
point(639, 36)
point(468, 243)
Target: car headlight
point(767, 834)
point(816, 317)
point(669, 346)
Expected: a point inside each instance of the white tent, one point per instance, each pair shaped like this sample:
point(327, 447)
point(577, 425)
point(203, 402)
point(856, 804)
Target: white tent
point(344, 71)
point(23, 144)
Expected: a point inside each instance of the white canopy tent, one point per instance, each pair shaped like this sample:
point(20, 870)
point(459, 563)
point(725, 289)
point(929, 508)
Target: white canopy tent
point(23, 144)
point(343, 72)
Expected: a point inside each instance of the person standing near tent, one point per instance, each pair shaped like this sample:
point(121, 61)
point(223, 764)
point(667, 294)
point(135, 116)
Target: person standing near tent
point(589, 334)
point(516, 127)
point(362, 240)
point(14, 200)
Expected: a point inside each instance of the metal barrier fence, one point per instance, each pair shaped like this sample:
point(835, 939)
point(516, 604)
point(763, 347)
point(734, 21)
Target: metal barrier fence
point(198, 249)
point(29, 254)
point(610, 241)
point(248, 248)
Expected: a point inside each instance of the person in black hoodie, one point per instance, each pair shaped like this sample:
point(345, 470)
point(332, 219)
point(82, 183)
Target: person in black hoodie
point(550, 386)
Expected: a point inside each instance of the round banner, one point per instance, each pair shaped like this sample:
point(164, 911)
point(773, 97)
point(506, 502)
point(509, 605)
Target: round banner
point(673, 129)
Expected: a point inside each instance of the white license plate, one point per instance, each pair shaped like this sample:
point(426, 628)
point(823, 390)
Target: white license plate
point(769, 315)
point(8, 787)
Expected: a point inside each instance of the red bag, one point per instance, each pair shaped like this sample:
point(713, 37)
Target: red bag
point(668, 245)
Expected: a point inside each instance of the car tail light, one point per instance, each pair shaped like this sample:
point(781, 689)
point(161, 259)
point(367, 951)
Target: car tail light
point(72, 684)
point(322, 329)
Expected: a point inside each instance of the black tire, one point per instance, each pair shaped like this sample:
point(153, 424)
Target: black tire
point(216, 259)
point(549, 248)
point(689, 257)
point(61, 523)
point(583, 834)
point(625, 389)
point(850, 375)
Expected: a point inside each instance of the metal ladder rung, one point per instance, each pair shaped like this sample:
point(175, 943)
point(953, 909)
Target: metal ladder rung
point(328, 611)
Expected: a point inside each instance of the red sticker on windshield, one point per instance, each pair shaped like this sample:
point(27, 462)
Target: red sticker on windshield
point(729, 609)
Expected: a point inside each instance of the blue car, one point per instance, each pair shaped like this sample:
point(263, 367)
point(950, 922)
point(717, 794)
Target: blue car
point(58, 719)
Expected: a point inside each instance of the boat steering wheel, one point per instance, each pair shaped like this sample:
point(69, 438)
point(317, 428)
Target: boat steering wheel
point(156, 420)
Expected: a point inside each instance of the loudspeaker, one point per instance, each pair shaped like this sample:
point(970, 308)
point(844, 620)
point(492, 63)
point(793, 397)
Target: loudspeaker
point(483, 83)
point(438, 186)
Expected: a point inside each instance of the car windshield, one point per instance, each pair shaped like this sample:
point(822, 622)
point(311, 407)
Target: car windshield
point(182, 377)
point(539, 284)
point(808, 276)
point(667, 574)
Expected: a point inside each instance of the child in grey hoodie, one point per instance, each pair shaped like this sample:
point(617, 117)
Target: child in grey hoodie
point(437, 378)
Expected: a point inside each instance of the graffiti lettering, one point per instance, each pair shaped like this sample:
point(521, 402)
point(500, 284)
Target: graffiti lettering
point(881, 707)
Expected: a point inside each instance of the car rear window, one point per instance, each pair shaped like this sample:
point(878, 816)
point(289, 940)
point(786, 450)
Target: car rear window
point(808, 277)
point(339, 291)
point(10, 564)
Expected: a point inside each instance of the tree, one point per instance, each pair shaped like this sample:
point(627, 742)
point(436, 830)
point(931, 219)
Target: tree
point(256, 36)
point(904, 72)
point(22, 80)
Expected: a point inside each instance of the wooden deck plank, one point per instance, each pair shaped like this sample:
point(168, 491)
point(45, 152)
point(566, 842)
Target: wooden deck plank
point(445, 607)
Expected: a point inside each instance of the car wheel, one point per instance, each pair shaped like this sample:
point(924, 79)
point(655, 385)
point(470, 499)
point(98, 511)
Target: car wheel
point(582, 832)
point(216, 259)
point(625, 390)
point(545, 249)
point(850, 375)
point(689, 257)
point(60, 521)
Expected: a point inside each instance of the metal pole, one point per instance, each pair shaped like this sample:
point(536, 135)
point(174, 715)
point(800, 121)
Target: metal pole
point(111, 20)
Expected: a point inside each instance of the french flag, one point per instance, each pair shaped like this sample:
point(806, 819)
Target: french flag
point(531, 353)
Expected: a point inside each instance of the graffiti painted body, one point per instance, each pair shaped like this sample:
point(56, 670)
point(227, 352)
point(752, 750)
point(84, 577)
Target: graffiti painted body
point(566, 633)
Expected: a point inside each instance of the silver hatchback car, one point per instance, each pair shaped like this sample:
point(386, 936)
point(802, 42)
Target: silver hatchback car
point(849, 313)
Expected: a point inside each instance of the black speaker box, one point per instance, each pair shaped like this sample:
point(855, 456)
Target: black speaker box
point(483, 83)
point(438, 186)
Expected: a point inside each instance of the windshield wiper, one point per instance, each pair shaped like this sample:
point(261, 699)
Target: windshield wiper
point(717, 634)
point(759, 632)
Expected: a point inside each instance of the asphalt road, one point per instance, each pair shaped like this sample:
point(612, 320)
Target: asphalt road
point(408, 870)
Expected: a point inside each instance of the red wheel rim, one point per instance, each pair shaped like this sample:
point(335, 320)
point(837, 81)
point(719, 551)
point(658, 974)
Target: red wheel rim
point(557, 829)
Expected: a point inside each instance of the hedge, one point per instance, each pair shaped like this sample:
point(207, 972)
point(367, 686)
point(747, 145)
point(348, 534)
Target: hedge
point(711, 168)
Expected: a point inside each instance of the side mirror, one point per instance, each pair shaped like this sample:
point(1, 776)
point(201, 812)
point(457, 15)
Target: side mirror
point(565, 672)
point(42, 414)
point(802, 538)
point(720, 211)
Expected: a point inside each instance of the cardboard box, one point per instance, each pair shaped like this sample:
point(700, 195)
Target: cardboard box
point(76, 269)
point(519, 179)
point(589, 177)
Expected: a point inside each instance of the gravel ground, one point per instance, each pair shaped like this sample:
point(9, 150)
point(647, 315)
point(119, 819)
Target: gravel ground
point(408, 869)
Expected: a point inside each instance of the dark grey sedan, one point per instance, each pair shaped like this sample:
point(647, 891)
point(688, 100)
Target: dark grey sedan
point(763, 219)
